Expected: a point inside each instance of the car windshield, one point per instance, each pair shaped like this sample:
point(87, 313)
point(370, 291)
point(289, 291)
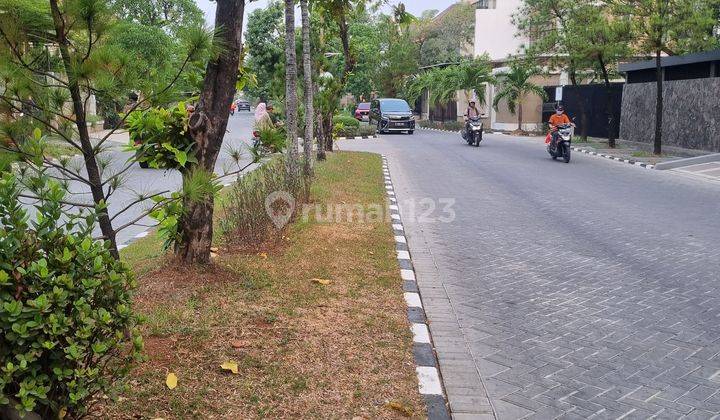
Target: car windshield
point(395, 105)
point(364, 105)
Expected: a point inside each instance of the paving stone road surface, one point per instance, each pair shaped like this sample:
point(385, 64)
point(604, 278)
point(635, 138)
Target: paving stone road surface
point(589, 289)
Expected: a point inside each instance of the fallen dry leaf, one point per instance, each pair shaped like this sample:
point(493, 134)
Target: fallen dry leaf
point(263, 255)
point(400, 408)
point(171, 380)
point(231, 366)
point(213, 249)
point(324, 282)
point(237, 344)
point(213, 255)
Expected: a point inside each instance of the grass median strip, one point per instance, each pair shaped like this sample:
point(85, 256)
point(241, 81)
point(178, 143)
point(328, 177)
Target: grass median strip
point(316, 324)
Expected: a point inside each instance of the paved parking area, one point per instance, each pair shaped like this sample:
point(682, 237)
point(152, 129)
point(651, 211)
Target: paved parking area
point(562, 291)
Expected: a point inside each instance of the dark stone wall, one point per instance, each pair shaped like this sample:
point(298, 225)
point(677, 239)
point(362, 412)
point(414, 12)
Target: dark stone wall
point(691, 117)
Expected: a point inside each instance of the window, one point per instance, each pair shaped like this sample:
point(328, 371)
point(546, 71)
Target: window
point(486, 4)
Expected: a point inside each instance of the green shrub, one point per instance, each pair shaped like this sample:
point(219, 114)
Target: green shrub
point(367, 130)
point(346, 120)
point(161, 137)
point(272, 139)
point(342, 130)
point(67, 331)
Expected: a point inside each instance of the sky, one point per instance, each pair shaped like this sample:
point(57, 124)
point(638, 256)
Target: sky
point(416, 7)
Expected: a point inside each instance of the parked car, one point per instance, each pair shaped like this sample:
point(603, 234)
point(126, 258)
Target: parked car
point(362, 112)
point(391, 114)
point(243, 105)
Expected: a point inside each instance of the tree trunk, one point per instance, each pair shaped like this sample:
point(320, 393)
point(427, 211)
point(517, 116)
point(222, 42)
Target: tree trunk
point(89, 153)
point(320, 137)
point(328, 130)
point(520, 116)
point(291, 99)
point(207, 125)
point(345, 40)
point(608, 104)
point(657, 147)
point(309, 109)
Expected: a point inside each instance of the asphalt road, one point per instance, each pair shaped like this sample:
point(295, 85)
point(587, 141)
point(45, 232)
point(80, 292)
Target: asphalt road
point(148, 181)
point(574, 290)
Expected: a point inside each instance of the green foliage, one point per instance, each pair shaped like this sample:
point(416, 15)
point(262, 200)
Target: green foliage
point(346, 120)
point(67, 331)
point(272, 140)
point(168, 217)
point(265, 40)
point(447, 39)
point(515, 83)
point(671, 26)
point(444, 82)
point(161, 137)
point(175, 15)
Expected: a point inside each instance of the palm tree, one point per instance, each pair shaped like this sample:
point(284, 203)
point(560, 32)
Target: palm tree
point(514, 85)
point(291, 99)
point(443, 83)
point(308, 92)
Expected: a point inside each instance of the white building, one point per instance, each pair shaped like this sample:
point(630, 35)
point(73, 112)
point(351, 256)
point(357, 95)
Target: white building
point(495, 33)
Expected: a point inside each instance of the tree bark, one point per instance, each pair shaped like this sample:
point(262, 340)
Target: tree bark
point(657, 146)
point(291, 99)
point(608, 103)
point(320, 137)
point(207, 125)
point(89, 153)
point(345, 40)
point(328, 131)
point(309, 89)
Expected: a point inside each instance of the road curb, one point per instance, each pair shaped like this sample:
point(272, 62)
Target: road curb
point(617, 159)
point(357, 138)
point(427, 367)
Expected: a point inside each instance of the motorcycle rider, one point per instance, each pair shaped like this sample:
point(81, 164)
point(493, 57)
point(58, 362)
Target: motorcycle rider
point(557, 119)
point(471, 112)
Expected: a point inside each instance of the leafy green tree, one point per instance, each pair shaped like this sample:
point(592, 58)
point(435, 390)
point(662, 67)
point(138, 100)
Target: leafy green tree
point(53, 57)
point(175, 15)
point(399, 60)
point(515, 84)
point(599, 41)
point(443, 83)
point(448, 38)
point(668, 27)
point(264, 42)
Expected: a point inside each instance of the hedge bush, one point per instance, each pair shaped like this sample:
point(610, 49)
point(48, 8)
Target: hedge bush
point(67, 331)
point(346, 121)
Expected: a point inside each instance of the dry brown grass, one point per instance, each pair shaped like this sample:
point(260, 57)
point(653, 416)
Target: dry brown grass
point(304, 350)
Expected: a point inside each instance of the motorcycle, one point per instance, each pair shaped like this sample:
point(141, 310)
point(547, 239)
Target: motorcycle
point(473, 132)
point(560, 147)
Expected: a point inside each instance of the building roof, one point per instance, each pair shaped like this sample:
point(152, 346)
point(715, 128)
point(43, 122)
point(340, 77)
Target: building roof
point(674, 60)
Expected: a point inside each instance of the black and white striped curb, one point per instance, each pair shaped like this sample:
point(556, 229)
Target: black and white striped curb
point(426, 363)
point(617, 159)
point(458, 131)
point(442, 130)
point(357, 137)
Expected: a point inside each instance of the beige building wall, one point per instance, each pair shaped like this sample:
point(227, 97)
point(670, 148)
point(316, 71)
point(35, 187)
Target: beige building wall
point(503, 119)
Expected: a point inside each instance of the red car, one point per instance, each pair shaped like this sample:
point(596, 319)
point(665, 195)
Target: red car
point(362, 112)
